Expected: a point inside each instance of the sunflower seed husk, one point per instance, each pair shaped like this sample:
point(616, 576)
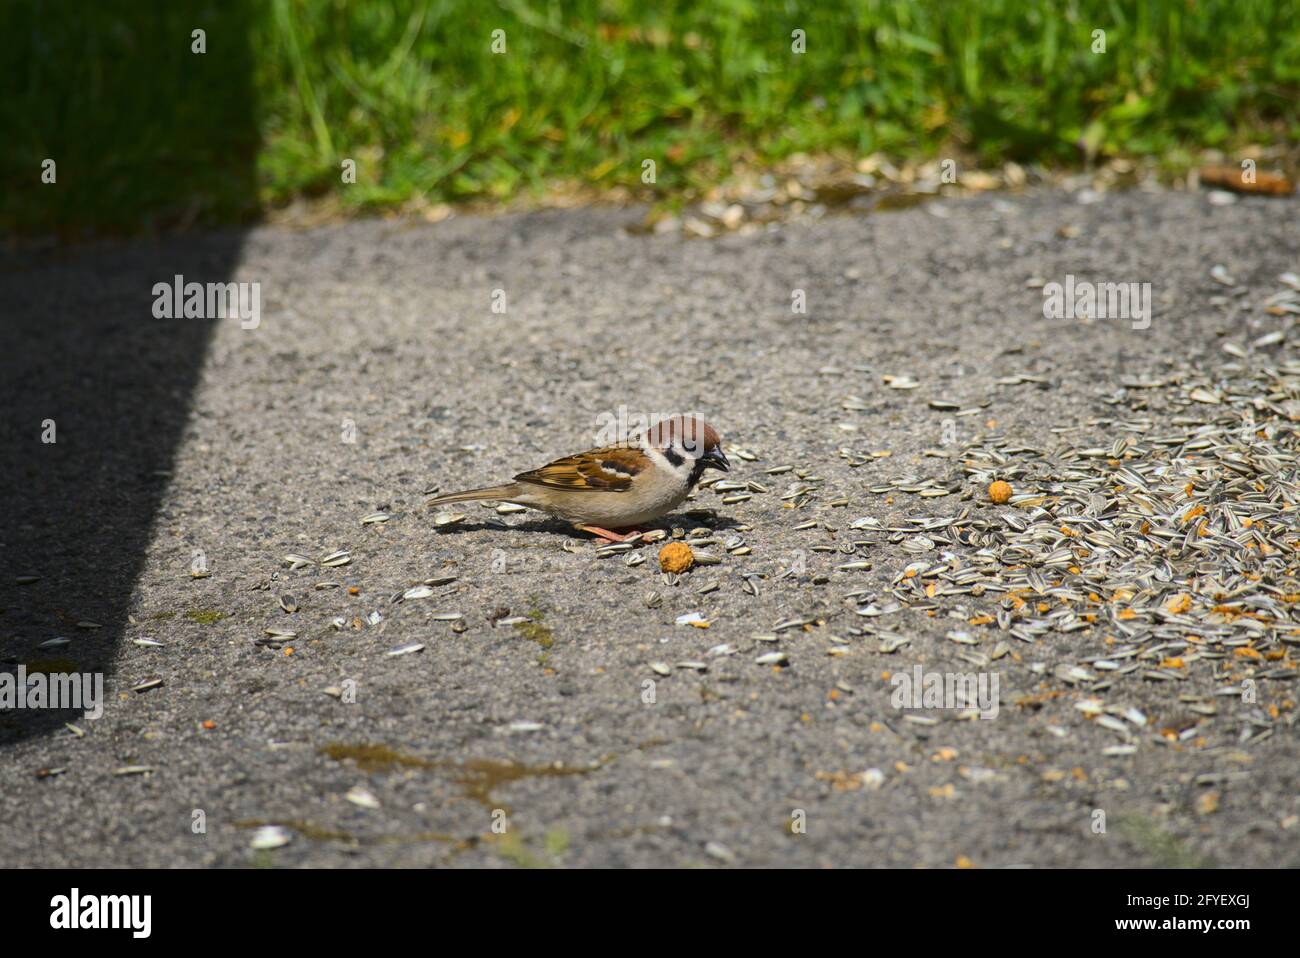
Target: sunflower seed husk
point(406, 649)
point(270, 836)
point(362, 797)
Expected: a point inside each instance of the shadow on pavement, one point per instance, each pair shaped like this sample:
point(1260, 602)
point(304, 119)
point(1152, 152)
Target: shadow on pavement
point(147, 137)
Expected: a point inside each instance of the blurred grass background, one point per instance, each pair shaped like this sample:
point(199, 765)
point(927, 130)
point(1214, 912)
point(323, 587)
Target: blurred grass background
point(586, 90)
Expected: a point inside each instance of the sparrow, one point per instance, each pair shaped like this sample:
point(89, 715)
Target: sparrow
point(622, 486)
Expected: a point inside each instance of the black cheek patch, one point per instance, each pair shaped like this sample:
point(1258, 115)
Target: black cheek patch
point(697, 473)
point(673, 456)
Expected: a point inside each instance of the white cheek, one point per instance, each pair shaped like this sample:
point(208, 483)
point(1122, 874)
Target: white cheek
point(662, 462)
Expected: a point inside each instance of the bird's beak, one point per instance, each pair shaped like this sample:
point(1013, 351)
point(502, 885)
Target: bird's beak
point(714, 459)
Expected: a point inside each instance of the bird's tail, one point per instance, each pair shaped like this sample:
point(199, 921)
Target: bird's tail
point(489, 493)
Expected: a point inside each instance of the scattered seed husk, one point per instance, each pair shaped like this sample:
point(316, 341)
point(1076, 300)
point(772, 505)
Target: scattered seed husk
point(693, 618)
point(719, 851)
point(406, 649)
point(362, 797)
point(890, 643)
point(269, 837)
point(900, 382)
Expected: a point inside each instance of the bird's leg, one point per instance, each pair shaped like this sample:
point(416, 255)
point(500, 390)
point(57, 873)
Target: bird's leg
point(606, 534)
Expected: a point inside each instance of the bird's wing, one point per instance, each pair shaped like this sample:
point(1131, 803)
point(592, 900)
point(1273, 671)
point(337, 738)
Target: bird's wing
point(600, 470)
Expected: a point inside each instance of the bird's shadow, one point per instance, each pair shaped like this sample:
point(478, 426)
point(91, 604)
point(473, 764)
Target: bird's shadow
point(691, 518)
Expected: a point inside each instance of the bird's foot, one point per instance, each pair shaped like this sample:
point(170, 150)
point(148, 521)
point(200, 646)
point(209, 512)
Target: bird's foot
point(609, 536)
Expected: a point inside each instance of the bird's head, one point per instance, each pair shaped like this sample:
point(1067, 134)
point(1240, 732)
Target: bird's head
point(688, 443)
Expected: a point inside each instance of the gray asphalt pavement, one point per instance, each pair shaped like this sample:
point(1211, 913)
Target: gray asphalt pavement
point(380, 370)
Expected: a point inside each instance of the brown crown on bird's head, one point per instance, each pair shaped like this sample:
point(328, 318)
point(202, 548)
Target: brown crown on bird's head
point(689, 432)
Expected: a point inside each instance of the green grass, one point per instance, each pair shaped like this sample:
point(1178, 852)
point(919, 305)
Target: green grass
point(143, 132)
point(1165, 849)
point(587, 90)
point(205, 616)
